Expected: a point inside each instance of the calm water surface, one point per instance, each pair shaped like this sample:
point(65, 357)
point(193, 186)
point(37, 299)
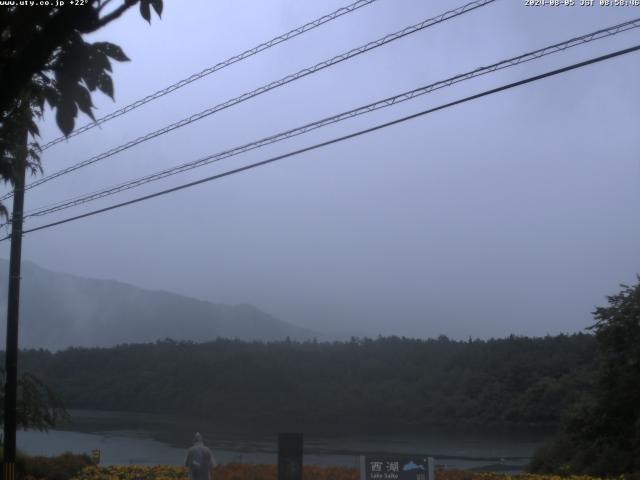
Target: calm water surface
point(144, 439)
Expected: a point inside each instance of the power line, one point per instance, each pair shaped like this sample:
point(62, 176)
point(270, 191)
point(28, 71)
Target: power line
point(343, 138)
point(265, 88)
point(380, 104)
point(219, 66)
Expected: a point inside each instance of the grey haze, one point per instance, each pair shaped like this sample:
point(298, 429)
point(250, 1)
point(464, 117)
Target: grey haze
point(517, 213)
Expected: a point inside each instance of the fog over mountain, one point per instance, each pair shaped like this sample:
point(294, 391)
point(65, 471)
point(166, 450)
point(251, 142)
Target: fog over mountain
point(59, 310)
point(514, 213)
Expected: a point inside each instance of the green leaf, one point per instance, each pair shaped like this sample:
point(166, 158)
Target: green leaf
point(157, 6)
point(105, 84)
point(33, 128)
point(40, 101)
point(83, 99)
point(65, 116)
point(74, 58)
point(33, 159)
point(91, 77)
point(99, 61)
point(112, 50)
point(145, 11)
point(51, 96)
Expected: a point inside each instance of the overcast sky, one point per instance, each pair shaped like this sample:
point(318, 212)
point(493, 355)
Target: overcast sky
point(515, 213)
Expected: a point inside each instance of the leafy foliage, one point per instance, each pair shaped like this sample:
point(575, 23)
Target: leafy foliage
point(237, 471)
point(230, 471)
point(38, 406)
point(45, 60)
point(61, 467)
point(77, 69)
point(14, 131)
point(602, 436)
point(378, 385)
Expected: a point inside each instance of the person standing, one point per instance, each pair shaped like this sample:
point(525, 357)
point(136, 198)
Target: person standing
point(199, 461)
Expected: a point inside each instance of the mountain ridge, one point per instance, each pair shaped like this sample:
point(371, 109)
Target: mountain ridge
point(59, 310)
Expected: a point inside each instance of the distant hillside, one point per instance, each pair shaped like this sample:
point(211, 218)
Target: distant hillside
point(58, 310)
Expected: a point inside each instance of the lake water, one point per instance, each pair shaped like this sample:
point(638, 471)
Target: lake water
point(144, 439)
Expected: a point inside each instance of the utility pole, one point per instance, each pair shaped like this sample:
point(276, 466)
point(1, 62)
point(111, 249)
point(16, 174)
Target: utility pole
point(13, 304)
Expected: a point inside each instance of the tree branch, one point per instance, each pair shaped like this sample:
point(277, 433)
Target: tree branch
point(116, 13)
point(103, 4)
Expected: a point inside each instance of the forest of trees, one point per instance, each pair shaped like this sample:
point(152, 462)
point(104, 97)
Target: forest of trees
point(601, 434)
point(384, 384)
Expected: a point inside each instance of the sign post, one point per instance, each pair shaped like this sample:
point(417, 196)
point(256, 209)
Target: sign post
point(396, 467)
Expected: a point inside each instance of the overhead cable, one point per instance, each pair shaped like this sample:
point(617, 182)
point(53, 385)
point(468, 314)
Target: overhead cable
point(339, 139)
point(265, 88)
point(380, 104)
point(219, 66)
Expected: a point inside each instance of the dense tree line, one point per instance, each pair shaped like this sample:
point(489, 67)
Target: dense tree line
point(373, 384)
point(601, 435)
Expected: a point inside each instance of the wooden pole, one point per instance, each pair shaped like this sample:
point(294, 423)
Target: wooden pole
point(13, 305)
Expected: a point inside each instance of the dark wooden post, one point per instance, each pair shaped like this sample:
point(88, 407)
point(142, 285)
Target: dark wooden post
point(13, 304)
point(289, 456)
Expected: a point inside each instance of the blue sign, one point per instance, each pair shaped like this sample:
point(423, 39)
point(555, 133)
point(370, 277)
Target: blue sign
point(396, 467)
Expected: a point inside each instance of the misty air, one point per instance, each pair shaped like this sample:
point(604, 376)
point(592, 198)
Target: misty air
point(337, 240)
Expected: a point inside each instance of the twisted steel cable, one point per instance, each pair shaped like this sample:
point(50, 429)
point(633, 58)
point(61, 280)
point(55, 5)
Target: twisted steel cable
point(219, 66)
point(380, 104)
point(265, 88)
point(375, 128)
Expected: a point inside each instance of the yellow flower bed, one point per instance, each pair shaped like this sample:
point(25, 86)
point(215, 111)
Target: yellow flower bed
point(236, 471)
point(231, 471)
point(465, 475)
